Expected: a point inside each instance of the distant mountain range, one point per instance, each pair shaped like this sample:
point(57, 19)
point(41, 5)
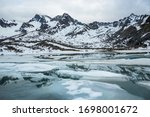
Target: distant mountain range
point(44, 33)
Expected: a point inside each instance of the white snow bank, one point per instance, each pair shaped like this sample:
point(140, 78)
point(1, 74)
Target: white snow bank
point(94, 74)
point(33, 67)
point(139, 50)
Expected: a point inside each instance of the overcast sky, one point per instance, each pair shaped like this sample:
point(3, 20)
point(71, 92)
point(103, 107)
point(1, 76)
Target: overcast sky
point(83, 10)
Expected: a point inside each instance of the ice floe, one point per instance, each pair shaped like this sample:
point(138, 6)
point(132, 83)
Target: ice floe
point(93, 74)
point(82, 89)
point(33, 67)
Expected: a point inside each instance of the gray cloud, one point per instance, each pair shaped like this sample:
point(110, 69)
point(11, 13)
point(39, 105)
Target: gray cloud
point(83, 10)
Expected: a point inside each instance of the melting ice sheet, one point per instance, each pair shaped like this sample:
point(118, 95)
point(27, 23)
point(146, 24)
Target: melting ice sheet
point(93, 75)
point(75, 76)
point(95, 90)
point(33, 67)
point(27, 67)
point(66, 90)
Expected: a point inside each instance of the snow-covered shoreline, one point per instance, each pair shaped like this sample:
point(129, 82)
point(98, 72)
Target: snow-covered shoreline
point(79, 51)
point(132, 51)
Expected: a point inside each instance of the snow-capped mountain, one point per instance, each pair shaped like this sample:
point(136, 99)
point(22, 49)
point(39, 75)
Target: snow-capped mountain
point(64, 32)
point(134, 32)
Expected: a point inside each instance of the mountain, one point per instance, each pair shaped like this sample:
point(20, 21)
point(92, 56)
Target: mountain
point(5, 24)
point(134, 32)
point(44, 33)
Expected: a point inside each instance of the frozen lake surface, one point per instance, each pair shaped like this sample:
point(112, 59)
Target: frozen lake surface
point(75, 76)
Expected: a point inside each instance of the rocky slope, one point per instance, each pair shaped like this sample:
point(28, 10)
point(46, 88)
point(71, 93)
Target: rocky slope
point(43, 33)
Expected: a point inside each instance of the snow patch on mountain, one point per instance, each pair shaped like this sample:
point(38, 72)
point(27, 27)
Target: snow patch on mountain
point(45, 33)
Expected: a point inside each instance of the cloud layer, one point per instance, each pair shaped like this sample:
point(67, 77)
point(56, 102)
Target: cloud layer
point(83, 10)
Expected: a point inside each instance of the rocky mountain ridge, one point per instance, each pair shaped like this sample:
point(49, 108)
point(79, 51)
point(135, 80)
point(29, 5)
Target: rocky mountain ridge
point(63, 32)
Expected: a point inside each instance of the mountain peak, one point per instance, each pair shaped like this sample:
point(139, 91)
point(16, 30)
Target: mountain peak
point(133, 16)
point(66, 15)
point(37, 16)
point(40, 18)
point(64, 19)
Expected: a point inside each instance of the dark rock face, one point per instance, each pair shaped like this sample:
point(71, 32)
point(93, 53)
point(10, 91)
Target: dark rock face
point(26, 25)
point(5, 24)
point(39, 18)
point(131, 36)
point(94, 25)
point(148, 20)
point(44, 27)
point(64, 19)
